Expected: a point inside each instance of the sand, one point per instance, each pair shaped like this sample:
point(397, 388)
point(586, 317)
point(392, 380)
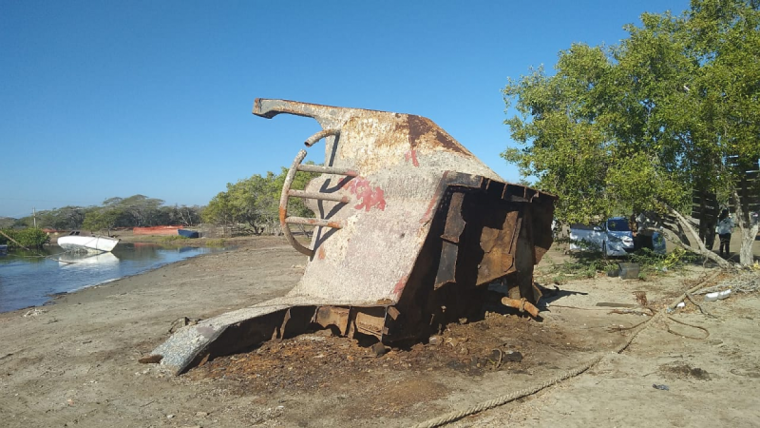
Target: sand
point(75, 362)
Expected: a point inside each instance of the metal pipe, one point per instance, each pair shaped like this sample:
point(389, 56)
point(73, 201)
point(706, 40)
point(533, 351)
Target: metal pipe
point(328, 170)
point(314, 222)
point(520, 304)
point(320, 135)
point(319, 196)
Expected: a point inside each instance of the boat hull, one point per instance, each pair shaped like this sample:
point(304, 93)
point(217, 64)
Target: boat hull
point(87, 243)
point(187, 233)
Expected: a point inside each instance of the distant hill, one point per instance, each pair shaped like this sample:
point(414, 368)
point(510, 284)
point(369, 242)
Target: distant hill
point(6, 222)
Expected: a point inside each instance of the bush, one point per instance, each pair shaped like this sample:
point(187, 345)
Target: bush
point(30, 237)
point(652, 262)
point(585, 264)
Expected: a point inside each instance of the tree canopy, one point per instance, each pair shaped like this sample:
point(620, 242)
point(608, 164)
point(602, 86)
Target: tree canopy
point(136, 210)
point(255, 202)
point(641, 125)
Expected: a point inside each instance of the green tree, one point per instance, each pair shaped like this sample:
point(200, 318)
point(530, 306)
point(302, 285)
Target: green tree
point(66, 218)
point(641, 125)
point(105, 218)
point(219, 211)
point(178, 215)
point(255, 202)
point(138, 210)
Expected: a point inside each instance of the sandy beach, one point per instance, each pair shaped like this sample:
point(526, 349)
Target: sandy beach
point(75, 362)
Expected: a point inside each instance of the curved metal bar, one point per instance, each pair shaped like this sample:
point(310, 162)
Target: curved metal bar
point(284, 205)
point(320, 135)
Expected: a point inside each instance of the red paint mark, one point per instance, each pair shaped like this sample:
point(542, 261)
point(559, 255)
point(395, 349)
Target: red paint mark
point(400, 285)
point(412, 154)
point(370, 198)
point(321, 253)
point(426, 217)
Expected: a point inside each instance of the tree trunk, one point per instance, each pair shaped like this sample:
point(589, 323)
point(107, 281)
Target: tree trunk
point(746, 258)
point(747, 231)
point(701, 249)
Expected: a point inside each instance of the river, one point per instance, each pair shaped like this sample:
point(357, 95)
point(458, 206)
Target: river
point(32, 279)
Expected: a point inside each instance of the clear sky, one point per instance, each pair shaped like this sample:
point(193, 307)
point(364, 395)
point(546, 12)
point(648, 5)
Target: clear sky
point(115, 98)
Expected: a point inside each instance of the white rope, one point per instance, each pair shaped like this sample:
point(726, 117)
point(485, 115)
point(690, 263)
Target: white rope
point(504, 399)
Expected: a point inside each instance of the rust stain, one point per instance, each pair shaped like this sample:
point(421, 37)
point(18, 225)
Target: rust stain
point(321, 253)
point(420, 126)
point(520, 304)
point(332, 224)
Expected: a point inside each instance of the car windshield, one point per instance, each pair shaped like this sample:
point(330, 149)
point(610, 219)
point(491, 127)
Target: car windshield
point(618, 225)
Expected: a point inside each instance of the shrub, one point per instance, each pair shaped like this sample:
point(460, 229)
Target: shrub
point(30, 237)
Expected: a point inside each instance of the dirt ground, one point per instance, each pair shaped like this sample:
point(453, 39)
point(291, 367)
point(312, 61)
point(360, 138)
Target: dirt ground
point(75, 362)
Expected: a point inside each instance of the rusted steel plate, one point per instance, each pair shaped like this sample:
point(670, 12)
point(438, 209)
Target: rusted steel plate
point(409, 227)
point(371, 322)
point(332, 315)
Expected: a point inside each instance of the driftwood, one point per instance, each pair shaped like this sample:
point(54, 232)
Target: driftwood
point(14, 241)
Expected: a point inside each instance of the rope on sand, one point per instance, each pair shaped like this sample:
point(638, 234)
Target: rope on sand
point(504, 399)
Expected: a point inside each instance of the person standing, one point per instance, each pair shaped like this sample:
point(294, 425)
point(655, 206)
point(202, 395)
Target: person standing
point(724, 229)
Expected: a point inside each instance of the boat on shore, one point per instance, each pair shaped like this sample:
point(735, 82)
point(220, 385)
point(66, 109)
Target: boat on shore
point(165, 230)
point(187, 233)
point(94, 243)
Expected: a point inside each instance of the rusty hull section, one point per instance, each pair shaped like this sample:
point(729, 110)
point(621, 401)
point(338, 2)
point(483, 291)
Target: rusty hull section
point(409, 230)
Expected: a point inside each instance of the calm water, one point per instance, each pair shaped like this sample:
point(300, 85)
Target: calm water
point(29, 280)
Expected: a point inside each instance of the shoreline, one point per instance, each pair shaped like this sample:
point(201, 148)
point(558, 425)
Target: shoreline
point(199, 245)
point(244, 244)
point(78, 356)
point(36, 297)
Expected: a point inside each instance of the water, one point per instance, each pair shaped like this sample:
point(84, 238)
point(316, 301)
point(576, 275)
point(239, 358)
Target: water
point(28, 280)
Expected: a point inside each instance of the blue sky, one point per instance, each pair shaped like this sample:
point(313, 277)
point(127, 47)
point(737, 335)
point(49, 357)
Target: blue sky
point(103, 99)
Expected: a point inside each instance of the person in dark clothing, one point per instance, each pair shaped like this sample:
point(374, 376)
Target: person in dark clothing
point(724, 229)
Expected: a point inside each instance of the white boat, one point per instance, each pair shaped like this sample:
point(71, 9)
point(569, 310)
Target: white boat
point(95, 243)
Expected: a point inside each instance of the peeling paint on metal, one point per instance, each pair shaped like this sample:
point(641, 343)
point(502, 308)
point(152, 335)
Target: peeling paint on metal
point(412, 154)
point(400, 285)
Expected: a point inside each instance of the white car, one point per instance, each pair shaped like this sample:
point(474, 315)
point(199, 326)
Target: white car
point(613, 237)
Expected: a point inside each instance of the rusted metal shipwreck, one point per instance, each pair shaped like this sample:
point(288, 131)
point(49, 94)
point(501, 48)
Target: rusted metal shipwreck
point(409, 230)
